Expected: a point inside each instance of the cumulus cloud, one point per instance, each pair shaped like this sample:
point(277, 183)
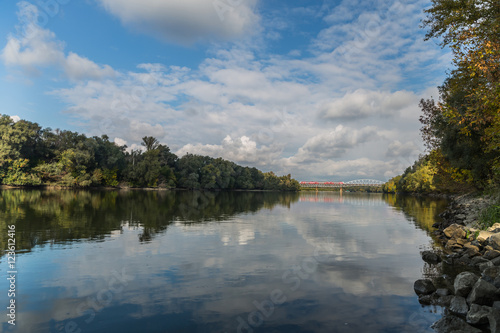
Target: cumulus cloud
point(398, 149)
point(333, 144)
point(363, 103)
point(241, 150)
point(38, 48)
point(186, 21)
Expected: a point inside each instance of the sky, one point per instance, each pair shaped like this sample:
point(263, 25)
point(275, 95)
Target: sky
point(321, 89)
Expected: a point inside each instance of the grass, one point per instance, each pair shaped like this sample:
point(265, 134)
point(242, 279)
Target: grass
point(489, 216)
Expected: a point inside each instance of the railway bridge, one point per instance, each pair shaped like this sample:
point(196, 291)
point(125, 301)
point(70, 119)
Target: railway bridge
point(351, 183)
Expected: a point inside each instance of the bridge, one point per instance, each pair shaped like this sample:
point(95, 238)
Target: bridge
point(357, 182)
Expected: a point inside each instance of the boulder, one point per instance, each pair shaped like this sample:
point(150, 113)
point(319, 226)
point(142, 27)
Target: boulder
point(491, 254)
point(483, 236)
point(496, 261)
point(452, 323)
point(454, 231)
point(458, 305)
point(476, 261)
point(494, 228)
point(464, 282)
point(478, 314)
point(483, 293)
point(485, 265)
point(445, 301)
point(442, 292)
point(431, 257)
point(490, 274)
point(494, 320)
point(494, 241)
point(471, 250)
point(424, 287)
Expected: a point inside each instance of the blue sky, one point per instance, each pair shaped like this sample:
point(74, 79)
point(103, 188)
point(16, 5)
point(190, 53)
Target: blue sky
point(325, 90)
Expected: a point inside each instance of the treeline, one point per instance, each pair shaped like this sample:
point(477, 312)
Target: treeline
point(462, 129)
point(31, 155)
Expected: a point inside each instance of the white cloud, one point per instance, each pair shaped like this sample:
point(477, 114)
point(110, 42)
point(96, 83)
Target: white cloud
point(186, 21)
point(333, 144)
point(38, 48)
point(362, 103)
point(240, 150)
point(15, 118)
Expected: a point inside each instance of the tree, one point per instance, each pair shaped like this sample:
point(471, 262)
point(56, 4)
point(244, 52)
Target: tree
point(150, 143)
point(465, 124)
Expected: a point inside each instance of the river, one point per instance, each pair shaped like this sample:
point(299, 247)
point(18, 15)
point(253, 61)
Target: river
point(167, 261)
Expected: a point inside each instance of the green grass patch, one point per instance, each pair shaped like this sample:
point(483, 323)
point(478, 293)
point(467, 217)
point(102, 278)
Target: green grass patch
point(489, 216)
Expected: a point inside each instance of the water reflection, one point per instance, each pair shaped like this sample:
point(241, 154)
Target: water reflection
point(262, 262)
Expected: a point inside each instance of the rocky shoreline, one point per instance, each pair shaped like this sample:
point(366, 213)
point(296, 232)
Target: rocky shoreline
point(468, 283)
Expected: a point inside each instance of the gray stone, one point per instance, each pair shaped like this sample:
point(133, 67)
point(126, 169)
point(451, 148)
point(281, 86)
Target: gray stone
point(490, 274)
point(476, 261)
point(431, 257)
point(460, 217)
point(496, 305)
point(428, 299)
point(496, 261)
point(445, 301)
point(464, 282)
point(451, 323)
point(496, 282)
point(424, 287)
point(483, 293)
point(494, 241)
point(494, 320)
point(442, 292)
point(478, 314)
point(459, 306)
point(491, 254)
point(485, 265)
point(454, 231)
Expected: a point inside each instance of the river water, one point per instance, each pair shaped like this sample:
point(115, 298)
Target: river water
point(149, 261)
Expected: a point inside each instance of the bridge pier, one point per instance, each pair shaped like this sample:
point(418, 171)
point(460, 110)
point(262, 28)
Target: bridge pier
point(340, 190)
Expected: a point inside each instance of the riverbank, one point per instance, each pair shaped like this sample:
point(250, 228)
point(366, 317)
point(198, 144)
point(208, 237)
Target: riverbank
point(468, 268)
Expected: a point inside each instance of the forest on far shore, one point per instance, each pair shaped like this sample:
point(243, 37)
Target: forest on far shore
point(32, 156)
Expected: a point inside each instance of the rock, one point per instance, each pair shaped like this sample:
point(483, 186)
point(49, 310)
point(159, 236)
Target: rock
point(444, 301)
point(490, 274)
point(485, 265)
point(496, 305)
point(491, 254)
point(453, 245)
point(451, 323)
point(464, 260)
point(428, 299)
point(496, 261)
point(483, 293)
point(471, 250)
point(458, 305)
point(496, 282)
point(483, 236)
point(460, 217)
point(424, 287)
point(461, 241)
point(478, 314)
point(494, 320)
point(476, 261)
point(494, 228)
point(443, 292)
point(464, 282)
point(494, 241)
point(431, 257)
point(454, 231)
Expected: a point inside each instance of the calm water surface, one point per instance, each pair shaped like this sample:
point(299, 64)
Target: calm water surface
point(142, 261)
